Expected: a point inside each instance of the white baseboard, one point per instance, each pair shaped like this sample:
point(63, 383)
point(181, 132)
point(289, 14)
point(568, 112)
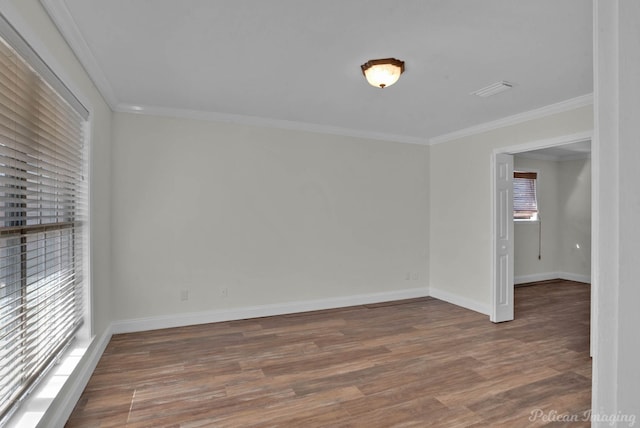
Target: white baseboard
point(575, 277)
point(459, 300)
point(546, 276)
point(60, 410)
point(536, 277)
point(62, 406)
point(219, 315)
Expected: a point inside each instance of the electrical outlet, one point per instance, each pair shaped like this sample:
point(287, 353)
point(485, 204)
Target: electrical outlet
point(415, 276)
point(184, 295)
point(407, 276)
point(224, 292)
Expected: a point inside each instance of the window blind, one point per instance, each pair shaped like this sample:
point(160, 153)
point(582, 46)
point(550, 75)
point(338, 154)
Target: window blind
point(43, 201)
point(525, 204)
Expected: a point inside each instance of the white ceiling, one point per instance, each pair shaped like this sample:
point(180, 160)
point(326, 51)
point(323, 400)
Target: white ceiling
point(299, 60)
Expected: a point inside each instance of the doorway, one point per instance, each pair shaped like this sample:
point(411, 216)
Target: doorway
point(502, 218)
point(503, 251)
point(554, 241)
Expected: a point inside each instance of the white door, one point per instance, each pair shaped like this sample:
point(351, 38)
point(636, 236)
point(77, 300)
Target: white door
point(502, 300)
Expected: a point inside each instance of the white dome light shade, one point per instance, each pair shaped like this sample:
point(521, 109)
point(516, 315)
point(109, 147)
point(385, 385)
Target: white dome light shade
point(382, 72)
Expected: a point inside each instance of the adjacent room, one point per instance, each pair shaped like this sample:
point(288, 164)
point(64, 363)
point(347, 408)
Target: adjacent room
point(552, 235)
point(293, 212)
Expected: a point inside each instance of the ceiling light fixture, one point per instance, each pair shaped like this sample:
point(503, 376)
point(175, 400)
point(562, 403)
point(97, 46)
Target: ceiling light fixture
point(382, 72)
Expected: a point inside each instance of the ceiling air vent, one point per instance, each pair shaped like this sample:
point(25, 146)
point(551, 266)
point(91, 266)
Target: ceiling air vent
point(493, 89)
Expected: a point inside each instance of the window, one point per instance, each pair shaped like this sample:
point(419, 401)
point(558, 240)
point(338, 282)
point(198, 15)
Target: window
point(42, 217)
point(525, 203)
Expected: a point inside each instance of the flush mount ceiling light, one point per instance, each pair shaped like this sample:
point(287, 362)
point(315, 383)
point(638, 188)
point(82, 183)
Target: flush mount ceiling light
point(382, 72)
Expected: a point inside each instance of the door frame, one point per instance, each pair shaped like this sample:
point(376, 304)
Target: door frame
point(541, 144)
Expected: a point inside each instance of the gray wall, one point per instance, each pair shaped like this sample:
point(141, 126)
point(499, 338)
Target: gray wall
point(460, 176)
point(273, 216)
point(564, 199)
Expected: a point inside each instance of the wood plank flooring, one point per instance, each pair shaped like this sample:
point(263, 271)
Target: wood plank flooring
point(420, 362)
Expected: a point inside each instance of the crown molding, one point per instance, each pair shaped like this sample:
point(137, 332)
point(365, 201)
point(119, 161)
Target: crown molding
point(562, 106)
point(267, 123)
point(63, 20)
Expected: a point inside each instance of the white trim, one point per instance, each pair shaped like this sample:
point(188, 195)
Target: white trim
point(219, 315)
point(26, 31)
point(29, 55)
point(459, 300)
point(493, 185)
point(536, 277)
point(44, 410)
point(571, 104)
point(575, 277)
point(526, 221)
point(578, 137)
point(58, 414)
point(71, 374)
point(546, 276)
point(63, 20)
point(266, 122)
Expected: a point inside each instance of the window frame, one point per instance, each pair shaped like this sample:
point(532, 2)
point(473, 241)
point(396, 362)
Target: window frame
point(536, 180)
point(79, 234)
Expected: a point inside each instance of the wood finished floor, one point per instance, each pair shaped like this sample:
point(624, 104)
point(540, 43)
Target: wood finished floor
point(420, 362)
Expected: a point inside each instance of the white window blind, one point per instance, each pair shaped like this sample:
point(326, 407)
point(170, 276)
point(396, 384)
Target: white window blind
point(525, 203)
point(43, 202)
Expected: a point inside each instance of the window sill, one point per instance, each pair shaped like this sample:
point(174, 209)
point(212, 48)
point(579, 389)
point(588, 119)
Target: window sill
point(34, 406)
point(520, 221)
